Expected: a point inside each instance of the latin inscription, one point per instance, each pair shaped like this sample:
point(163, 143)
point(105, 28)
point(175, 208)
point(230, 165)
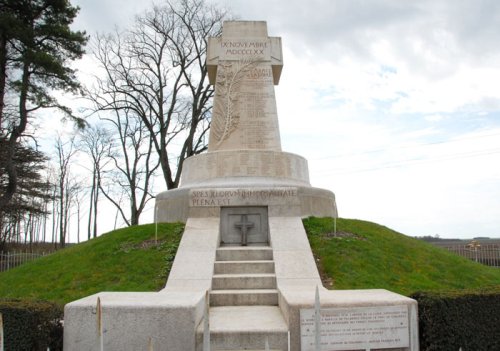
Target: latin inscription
point(356, 328)
point(241, 48)
point(235, 197)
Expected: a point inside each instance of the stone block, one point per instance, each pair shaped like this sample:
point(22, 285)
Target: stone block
point(134, 321)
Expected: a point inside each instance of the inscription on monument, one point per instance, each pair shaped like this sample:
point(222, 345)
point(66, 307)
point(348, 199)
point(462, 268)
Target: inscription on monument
point(241, 48)
point(356, 328)
point(241, 196)
point(244, 70)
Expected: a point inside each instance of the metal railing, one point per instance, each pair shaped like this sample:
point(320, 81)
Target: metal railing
point(486, 254)
point(12, 259)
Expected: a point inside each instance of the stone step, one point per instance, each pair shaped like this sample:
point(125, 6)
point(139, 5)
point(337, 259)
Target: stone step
point(245, 328)
point(266, 297)
point(243, 281)
point(246, 253)
point(238, 267)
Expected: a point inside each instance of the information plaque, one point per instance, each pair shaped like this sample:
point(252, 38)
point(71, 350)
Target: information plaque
point(356, 328)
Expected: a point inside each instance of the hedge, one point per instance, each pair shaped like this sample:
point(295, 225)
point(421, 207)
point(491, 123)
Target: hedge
point(469, 321)
point(31, 325)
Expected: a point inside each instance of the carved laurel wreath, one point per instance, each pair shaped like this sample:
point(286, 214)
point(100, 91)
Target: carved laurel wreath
point(229, 79)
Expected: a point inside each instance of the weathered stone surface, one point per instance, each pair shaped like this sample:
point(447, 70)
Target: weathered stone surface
point(134, 321)
point(354, 328)
point(243, 65)
point(283, 201)
point(244, 226)
point(293, 299)
point(247, 167)
point(244, 153)
point(243, 169)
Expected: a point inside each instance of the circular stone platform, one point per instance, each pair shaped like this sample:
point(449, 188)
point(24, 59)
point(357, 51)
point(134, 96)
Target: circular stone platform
point(277, 180)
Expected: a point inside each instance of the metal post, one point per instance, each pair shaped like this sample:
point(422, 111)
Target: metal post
point(206, 324)
point(317, 321)
point(156, 223)
point(266, 344)
point(99, 324)
point(1, 332)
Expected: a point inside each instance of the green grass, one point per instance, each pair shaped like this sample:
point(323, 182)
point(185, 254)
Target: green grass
point(123, 260)
point(371, 256)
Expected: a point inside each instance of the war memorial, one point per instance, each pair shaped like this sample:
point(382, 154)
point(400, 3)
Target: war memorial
point(244, 277)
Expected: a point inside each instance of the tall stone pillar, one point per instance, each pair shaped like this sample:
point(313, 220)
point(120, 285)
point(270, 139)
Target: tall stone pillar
point(244, 64)
point(244, 165)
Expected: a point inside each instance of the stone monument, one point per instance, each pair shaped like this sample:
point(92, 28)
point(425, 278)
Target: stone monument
point(244, 277)
point(244, 165)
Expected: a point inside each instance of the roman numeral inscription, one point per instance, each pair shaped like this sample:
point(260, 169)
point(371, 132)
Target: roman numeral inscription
point(244, 67)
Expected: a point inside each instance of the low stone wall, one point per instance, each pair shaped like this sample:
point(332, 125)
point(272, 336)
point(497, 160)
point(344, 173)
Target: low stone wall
point(133, 321)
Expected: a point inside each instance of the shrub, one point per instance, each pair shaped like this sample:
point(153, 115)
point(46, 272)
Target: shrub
point(468, 320)
point(31, 325)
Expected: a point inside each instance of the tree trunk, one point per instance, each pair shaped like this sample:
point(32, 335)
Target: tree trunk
point(3, 73)
point(17, 131)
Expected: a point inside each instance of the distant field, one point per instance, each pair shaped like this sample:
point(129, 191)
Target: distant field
point(484, 251)
point(447, 243)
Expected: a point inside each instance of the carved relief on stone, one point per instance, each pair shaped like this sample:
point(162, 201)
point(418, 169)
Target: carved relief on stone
point(230, 75)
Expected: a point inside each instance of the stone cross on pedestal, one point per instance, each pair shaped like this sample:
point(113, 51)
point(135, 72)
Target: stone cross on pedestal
point(244, 64)
point(244, 226)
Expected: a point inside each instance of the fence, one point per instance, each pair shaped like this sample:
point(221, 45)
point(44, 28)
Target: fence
point(487, 254)
point(9, 260)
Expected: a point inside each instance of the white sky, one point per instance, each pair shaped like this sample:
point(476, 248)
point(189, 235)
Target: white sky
point(396, 104)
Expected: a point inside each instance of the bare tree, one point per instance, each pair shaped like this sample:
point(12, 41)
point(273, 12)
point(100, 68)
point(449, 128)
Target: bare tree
point(78, 197)
point(97, 142)
point(156, 71)
point(65, 150)
point(134, 164)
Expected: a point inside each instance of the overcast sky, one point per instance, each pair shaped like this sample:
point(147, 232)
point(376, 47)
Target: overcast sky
point(396, 104)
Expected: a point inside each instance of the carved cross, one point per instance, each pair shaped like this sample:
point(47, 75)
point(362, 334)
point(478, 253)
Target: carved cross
point(243, 225)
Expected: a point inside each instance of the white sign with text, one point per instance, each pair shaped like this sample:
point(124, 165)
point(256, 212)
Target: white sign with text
point(356, 328)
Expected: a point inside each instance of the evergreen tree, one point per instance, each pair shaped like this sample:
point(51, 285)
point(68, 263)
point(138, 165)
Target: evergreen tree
point(36, 47)
point(32, 192)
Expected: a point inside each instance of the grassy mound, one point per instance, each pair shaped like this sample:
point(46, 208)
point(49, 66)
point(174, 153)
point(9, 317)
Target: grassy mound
point(127, 259)
point(360, 255)
point(364, 255)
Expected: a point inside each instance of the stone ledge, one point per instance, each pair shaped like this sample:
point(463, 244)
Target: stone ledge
point(300, 201)
point(215, 168)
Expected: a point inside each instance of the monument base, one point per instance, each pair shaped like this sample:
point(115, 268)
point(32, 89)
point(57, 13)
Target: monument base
point(178, 205)
point(278, 180)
